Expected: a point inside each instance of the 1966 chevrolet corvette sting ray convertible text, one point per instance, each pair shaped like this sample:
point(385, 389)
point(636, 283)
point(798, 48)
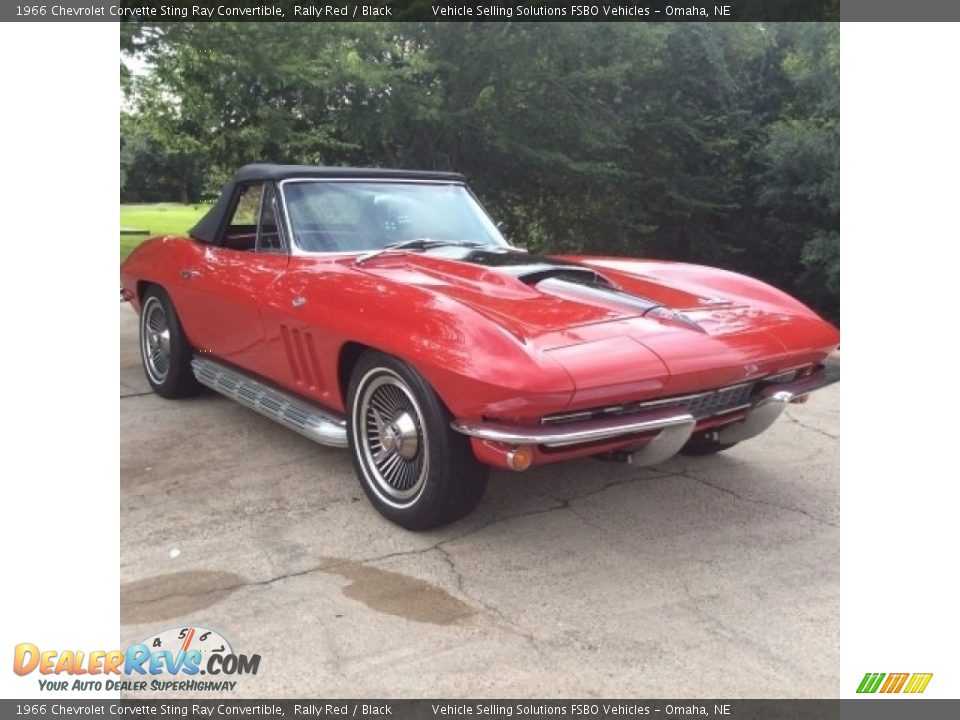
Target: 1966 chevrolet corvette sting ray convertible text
point(382, 311)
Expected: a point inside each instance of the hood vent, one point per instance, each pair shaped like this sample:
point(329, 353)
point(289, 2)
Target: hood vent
point(535, 274)
point(594, 290)
point(589, 287)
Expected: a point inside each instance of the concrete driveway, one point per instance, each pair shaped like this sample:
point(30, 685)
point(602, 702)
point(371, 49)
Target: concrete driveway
point(705, 577)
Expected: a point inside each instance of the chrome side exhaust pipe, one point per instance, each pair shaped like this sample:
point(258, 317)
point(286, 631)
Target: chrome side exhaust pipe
point(299, 415)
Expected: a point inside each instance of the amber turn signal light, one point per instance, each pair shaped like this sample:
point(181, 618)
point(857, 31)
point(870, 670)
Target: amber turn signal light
point(520, 458)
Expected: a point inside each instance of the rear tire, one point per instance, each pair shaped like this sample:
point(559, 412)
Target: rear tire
point(416, 470)
point(164, 349)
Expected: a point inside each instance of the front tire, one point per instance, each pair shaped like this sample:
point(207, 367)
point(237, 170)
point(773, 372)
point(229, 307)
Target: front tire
point(415, 469)
point(164, 349)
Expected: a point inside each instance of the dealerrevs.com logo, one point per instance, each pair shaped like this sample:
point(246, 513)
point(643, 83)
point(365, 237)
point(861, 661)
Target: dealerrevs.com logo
point(911, 683)
point(169, 660)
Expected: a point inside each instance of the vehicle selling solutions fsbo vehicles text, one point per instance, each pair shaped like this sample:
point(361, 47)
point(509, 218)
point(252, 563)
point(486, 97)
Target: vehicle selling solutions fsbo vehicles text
point(578, 11)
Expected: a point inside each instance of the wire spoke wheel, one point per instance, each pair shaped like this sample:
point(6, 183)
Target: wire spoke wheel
point(155, 340)
point(416, 470)
point(392, 438)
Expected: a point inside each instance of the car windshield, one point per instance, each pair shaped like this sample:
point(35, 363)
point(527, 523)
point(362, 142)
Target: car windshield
point(364, 216)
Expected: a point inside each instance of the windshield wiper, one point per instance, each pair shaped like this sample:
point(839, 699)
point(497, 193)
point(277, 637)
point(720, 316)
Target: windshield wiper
point(420, 243)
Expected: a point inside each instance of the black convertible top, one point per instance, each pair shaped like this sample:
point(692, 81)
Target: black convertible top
point(206, 230)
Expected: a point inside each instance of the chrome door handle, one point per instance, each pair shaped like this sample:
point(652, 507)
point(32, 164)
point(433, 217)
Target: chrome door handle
point(188, 273)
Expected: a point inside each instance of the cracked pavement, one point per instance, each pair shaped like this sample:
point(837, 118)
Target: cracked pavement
point(703, 577)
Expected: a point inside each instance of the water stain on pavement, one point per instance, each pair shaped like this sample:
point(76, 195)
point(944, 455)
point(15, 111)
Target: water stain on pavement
point(179, 594)
point(396, 594)
point(175, 594)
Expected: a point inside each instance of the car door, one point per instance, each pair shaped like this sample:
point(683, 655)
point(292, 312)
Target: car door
point(220, 294)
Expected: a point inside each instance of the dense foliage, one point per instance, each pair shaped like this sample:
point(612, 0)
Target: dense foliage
point(714, 143)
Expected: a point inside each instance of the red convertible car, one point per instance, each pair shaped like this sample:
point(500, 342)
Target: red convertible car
point(383, 311)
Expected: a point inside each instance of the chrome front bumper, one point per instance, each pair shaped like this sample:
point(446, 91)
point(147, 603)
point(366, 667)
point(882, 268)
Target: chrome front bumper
point(577, 433)
point(673, 427)
point(771, 401)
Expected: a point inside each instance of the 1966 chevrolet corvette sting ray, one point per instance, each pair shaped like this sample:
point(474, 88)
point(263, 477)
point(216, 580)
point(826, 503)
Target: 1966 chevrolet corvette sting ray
point(382, 311)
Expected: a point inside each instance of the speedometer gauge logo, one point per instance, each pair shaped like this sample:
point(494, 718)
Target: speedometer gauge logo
point(182, 640)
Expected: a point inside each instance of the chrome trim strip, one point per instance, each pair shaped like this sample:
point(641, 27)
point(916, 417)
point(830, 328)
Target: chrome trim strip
point(292, 412)
point(745, 406)
point(576, 433)
point(281, 230)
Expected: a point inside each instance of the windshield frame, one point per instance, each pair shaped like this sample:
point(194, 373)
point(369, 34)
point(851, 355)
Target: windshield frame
point(294, 247)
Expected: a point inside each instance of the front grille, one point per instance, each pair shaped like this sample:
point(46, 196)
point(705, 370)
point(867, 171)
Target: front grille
point(719, 401)
point(700, 405)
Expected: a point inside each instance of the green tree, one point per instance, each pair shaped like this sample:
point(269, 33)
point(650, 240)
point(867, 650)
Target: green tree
point(800, 179)
point(712, 142)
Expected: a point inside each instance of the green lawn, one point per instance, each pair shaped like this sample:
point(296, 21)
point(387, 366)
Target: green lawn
point(159, 219)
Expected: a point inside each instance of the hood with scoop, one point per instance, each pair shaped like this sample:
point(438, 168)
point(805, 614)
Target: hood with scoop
point(629, 321)
point(533, 296)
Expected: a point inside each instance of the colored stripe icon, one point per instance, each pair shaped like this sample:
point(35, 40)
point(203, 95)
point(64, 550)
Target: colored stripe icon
point(870, 682)
point(918, 682)
point(894, 682)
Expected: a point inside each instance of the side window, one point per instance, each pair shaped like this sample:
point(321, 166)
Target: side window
point(268, 237)
point(241, 232)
